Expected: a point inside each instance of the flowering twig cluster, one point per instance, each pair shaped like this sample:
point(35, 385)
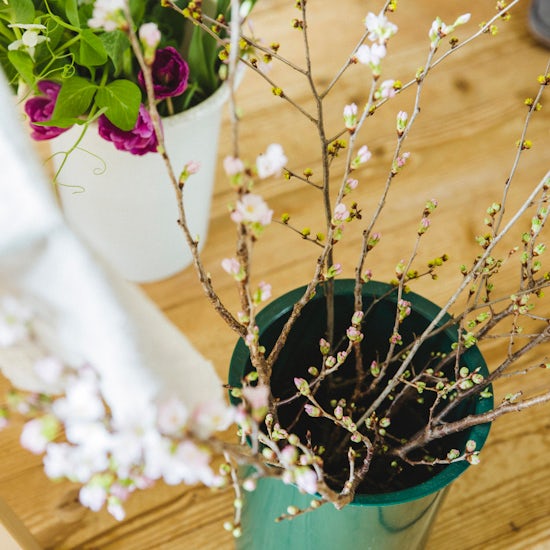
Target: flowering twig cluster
point(73, 65)
point(365, 410)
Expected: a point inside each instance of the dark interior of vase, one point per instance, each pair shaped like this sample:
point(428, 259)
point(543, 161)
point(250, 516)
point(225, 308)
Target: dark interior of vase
point(302, 351)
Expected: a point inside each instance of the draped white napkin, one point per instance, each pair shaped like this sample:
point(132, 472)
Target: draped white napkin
point(86, 312)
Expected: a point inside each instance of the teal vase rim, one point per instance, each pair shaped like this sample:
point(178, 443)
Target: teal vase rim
point(282, 305)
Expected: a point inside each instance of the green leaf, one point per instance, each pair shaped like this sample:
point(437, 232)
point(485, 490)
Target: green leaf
point(202, 57)
point(23, 11)
point(60, 122)
point(23, 64)
point(137, 9)
point(71, 9)
point(122, 99)
point(91, 52)
point(116, 43)
point(75, 98)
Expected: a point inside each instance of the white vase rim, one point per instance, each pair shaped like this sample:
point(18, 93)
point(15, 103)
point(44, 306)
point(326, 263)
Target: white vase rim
point(211, 103)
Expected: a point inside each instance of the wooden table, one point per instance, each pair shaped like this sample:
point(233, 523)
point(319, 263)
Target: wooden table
point(462, 150)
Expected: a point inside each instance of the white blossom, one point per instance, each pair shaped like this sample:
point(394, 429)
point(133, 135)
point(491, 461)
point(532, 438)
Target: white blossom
point(30, 38)
point(172, 416)
point(252, 208)
point(439, 29)
point(370, 55)
point(75, 462)
point(34, 437)
point(14, 321)
point(306, 480)
point(49, 369)
point(211, 416)
point(107, 15)
point(271, 162)
point(114, 507)
point(380, 29)
point(81, 402)
point(93, 496)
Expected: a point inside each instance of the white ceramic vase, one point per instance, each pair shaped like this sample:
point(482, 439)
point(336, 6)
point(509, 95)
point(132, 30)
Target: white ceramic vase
point(124, 206)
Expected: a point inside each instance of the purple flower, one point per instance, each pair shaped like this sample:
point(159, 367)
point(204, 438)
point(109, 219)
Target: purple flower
point(138, 141)
point(40, 108)
point(170, 73)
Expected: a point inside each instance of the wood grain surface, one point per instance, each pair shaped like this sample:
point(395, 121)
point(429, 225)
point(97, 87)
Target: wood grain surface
point(471, 117)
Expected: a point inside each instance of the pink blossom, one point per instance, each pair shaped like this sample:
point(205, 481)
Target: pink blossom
point(249, 484)
point(231, 266)
point(312, 410)
point(357, 317)
point(324, 346)
point(395, 338)
point(334, 270)
point(256, 396)
point(149, 35)
point(306, 480)
point(233, 165)
point(170, 73)
point(264, 291)
point(341, 355)
point(288, 456)
point(367, 275)
point(401, 122)
point(350, 116)
point(271, 162)
point(192, 167)
point(362, 156)
point(404, 308)
point(138, 141)
point(352, 183)
point(386, 90)
point(252, 209)
point(400, 161)
point(354, 334)
point(341, 213)
point(40, 109)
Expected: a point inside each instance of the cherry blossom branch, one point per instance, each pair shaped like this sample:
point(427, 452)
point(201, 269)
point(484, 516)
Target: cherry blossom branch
point(177, 185)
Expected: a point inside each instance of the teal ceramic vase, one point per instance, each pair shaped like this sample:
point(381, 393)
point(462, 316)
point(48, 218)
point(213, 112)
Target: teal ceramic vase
point(398, 520)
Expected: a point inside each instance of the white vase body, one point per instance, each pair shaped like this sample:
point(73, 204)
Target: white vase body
point(124, 205)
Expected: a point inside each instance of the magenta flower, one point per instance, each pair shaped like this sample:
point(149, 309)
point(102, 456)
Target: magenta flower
point(138, 141)
point(170, 73)
point(40, 108)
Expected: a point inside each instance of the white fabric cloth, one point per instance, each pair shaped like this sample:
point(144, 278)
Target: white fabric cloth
point(86, 312)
